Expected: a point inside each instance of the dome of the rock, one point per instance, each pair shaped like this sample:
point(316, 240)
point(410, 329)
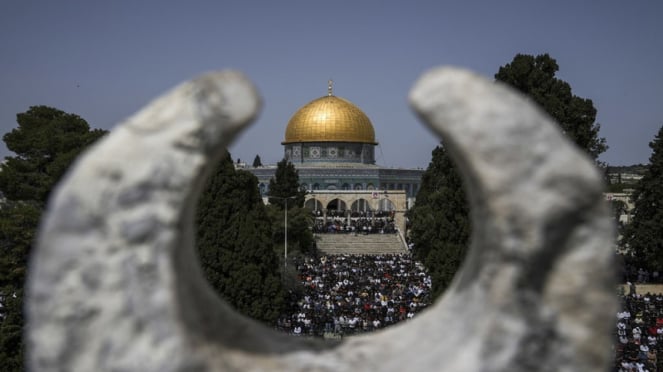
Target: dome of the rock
point(331, 143)
point(329, 119)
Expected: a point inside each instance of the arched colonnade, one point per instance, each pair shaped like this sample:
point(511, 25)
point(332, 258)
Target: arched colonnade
point(346, 205)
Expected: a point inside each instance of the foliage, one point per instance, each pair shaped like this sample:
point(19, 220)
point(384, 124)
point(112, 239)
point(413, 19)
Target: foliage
point(440, 223)
point(11, 332)
point(234, 244)
point(257, 162)
point(634, 169)
point(300, 237)
point(644, 235)
point(46, 142)
point(618, 208)
point(618, 187)
point(622, 178)
point(535, 77)
point(18, 224)
point(285, 184)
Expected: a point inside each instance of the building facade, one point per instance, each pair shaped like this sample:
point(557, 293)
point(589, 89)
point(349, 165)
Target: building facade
point(331, 143)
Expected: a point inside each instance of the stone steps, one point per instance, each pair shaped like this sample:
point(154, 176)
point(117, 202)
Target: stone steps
point(359, 244)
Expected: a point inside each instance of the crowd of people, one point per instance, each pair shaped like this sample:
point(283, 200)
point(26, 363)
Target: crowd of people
point(349, 294)
point(631, 273)
point(333, 213)
point(339, 295)
point(360, 225)
point(639, 333)
point(355, 222)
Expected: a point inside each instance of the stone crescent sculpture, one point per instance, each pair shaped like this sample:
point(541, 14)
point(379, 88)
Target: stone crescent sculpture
point(114, 283)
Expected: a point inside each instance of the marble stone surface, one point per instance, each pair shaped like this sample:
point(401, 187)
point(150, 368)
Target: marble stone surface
point(114, 284)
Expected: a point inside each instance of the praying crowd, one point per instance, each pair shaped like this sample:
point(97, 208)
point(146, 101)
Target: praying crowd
point(639, 333)
point(348, 294)
point(631, 273)
point(368, 222)
point(340, 295)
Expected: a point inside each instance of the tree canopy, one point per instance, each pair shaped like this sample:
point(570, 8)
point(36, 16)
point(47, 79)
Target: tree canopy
point(234, 239)
point(440, 223)
point(18, 225)
point(440, 217)
point(285, 184)
point(46, 142)
point(257, 162)
point(535, 77)
point(644, 235)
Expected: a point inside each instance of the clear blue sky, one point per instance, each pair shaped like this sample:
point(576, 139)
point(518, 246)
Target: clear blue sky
point(103, 60)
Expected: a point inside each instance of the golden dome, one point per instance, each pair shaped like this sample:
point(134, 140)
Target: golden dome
point(329, 119)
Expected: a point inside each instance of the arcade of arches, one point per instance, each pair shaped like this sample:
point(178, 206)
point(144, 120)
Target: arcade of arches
point(348, 206)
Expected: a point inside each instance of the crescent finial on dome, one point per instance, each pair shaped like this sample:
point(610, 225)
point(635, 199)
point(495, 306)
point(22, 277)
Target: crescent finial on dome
point(330, 86)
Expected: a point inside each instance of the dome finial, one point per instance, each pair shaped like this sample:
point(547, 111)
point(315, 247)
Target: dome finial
point(330, 86)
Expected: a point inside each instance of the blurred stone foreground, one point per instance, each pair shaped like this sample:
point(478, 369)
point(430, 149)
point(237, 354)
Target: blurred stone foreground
point(114, 284)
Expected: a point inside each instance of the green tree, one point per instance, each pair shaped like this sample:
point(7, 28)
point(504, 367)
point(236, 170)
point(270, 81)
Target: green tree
point(45, 143)
point(257, 162)
point(535, 77)
point(439, 219)
point(234, 244)
point(284, 189)
point(285, 184)
point(300, 236)
point(644, 235)
point(18, 223)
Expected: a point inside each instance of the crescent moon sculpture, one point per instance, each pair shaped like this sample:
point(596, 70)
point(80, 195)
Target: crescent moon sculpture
point(114, 283)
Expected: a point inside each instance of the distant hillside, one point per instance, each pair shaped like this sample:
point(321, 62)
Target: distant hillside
point(624, 177)
point(638, 169)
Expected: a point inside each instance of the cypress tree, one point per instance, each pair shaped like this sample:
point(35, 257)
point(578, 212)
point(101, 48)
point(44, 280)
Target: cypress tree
point(440, 223)
point(235, 246)
point(643, 237)
point(285, 184)
point(257, 162)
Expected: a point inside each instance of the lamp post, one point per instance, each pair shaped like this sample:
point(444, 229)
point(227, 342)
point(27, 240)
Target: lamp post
point(285, 226)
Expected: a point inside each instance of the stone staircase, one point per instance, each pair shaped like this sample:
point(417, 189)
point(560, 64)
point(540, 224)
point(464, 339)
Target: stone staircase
point(359, 244)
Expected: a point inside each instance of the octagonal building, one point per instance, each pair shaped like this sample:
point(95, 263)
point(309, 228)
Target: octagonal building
point(332, 144)
point(328, 130)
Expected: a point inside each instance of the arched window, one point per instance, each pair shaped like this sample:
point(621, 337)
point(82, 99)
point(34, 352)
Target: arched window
point(360, 205)
point(386, 205)
point(336, 208)
point(313, 204)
